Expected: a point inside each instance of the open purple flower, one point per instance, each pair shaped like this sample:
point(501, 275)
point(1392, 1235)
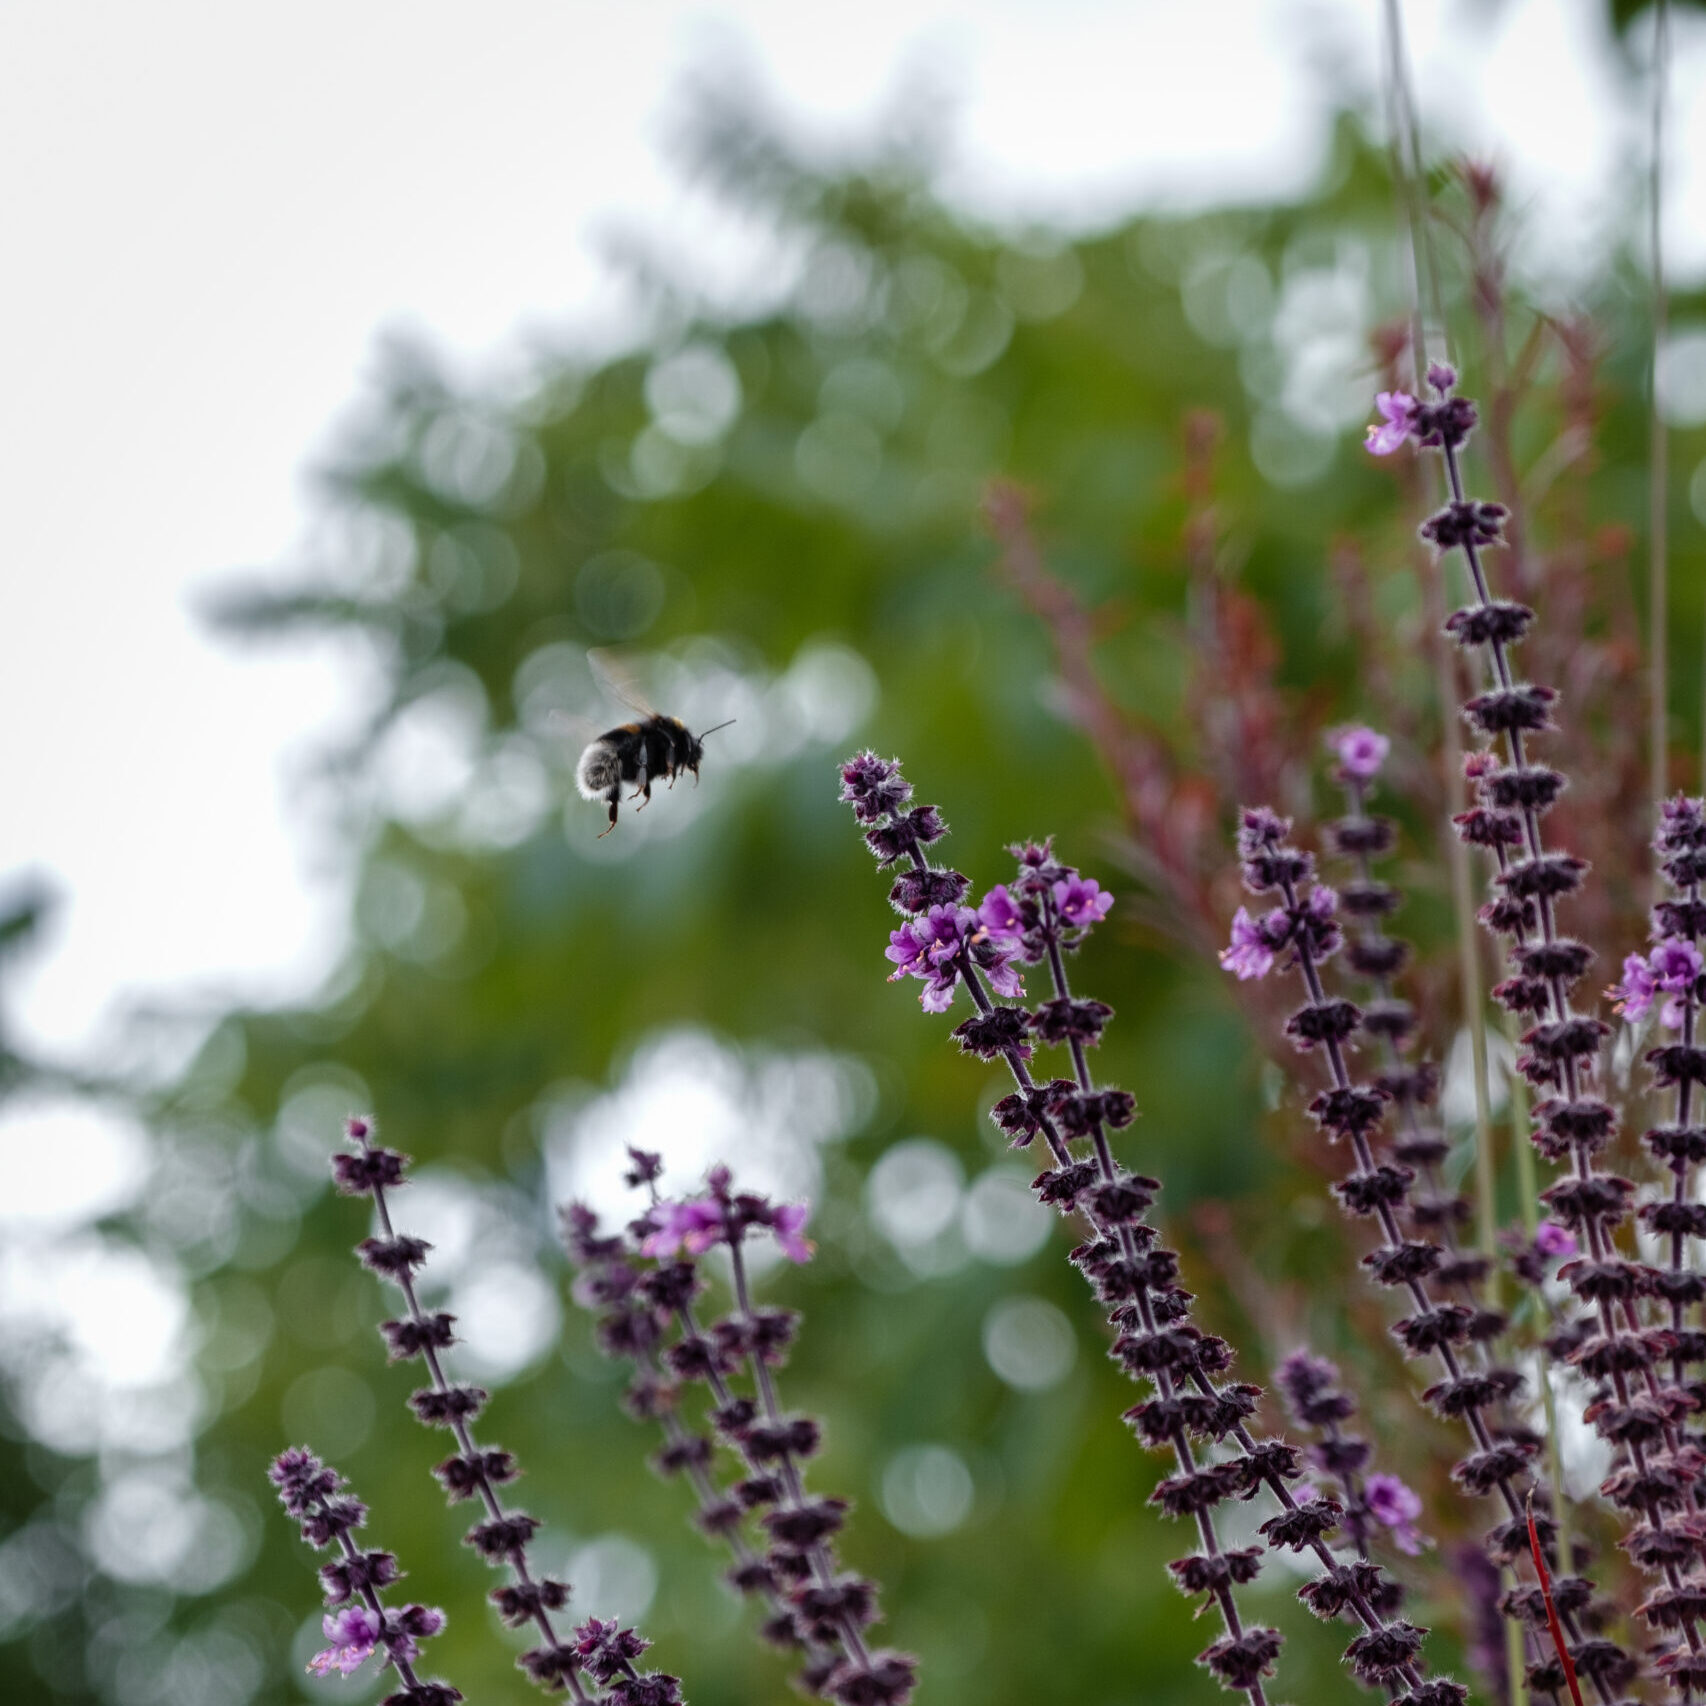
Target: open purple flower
point(934, 948)
point(1082, 901)
point(1396, 1507)
point(1000, 915)
point(354, 1633)
point(1633, 995)
point(1398, 409)
point(1361, 751)
point(694, 1226)
point(1249, 956)
point(1672, 968)
point(1551, 1239)
point(787, 1222)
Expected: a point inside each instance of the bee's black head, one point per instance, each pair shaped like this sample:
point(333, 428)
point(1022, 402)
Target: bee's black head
point(697, 745)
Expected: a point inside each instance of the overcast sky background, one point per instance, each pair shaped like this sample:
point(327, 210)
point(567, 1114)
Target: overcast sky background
point(214, 210)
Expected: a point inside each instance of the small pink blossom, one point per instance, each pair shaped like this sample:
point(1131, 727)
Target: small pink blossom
point(909, 952)
point(1396, 1507)
point(693, 1226)
point(1551, 1239)
point(1361, 751)
point(1082, 901)
point(1634, 994)
point(1249, 956)
point(1672, 968)
point(1398, 409)
point(1000, 915)
point(354, 1633)
point(787, 1223)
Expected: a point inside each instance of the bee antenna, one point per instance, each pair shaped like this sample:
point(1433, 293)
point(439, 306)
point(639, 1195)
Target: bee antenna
point(715, 726)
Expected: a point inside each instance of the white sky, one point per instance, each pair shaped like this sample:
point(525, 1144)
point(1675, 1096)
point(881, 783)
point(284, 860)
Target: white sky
point(212, 210)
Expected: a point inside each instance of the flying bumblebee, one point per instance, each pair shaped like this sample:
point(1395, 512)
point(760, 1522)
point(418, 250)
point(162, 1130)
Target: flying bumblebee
point(638, 752)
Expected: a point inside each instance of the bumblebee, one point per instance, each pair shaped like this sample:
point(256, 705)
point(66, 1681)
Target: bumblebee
point(639, 753)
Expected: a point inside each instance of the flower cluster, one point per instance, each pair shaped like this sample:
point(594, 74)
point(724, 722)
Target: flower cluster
point(1445, 421)
point(1672, 968)
point(359, 1624)
point(598, 1652)
point(1195, 1413)
point(644, 1282)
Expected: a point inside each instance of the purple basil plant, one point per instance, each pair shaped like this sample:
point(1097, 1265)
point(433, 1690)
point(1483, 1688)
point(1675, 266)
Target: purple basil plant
point(645, 1282)
point(595, 1662)
point(1633, 1336)
point(1194, 1412)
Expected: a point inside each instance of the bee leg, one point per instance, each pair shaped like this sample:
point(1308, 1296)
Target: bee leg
point(642, 785)
point(645, 796)
point(612, 799)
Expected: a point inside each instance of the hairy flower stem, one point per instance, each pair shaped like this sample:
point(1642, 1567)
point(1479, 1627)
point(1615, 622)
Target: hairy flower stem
point(516, 1557)
point(1563, 1048)
point(307, 1489)
point(1528, 1199)
point(1658, 440)
point(764, 1383)
point(793, 1481)
point(706, 1495)
point(1417, 1145)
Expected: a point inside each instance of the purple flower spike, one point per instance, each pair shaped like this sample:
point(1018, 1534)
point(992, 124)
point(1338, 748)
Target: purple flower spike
point(1551, 1239)
point(1399, 410)
point(1081, 901)
point(1361, 752)
point(1396, 1507)
point(1249, 956)
point(354, 1633)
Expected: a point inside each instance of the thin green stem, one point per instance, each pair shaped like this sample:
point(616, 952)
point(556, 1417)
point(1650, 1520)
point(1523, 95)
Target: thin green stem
point(1658, 469)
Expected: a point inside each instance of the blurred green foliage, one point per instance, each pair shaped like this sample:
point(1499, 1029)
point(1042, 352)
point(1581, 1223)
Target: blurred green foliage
point(775, 516)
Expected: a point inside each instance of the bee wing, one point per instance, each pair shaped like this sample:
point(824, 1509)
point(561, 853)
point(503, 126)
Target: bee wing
point(572, 727)
point(617, 680)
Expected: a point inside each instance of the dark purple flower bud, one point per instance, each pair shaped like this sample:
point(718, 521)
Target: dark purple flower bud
point(645, 1167)
point(393, 1258)
point(445, 1409)
point(503, 1535)
point(1465, 522)
point(873, 787)
point(1240, 1661)
point(918, 891)
point(806, 1524)
point(369, 1170)
point(550, 1666)
point(1379, 1653)
point(1000, 1031)
point(406, 1339)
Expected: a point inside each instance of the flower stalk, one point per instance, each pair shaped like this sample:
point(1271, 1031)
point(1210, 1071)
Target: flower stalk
point(601, 1653)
